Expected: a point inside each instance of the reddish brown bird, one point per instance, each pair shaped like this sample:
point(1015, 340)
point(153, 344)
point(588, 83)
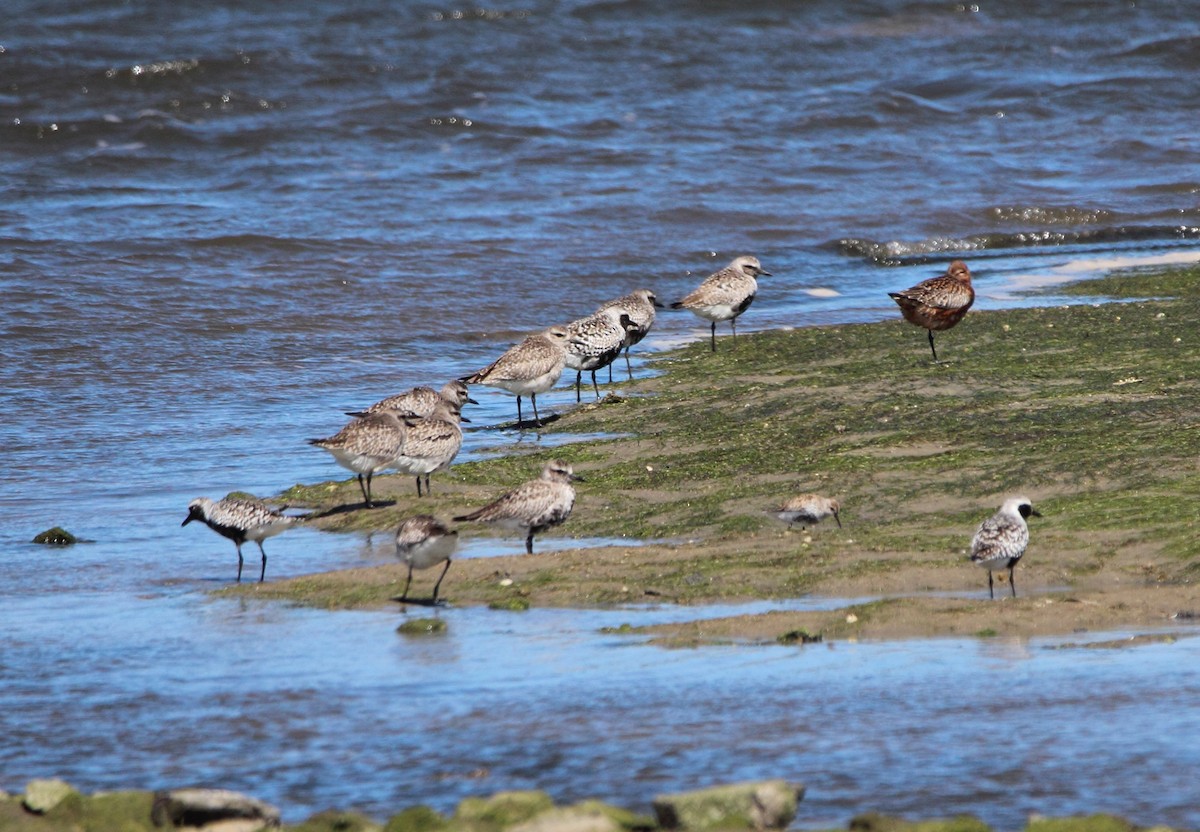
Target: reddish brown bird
point(939, 302)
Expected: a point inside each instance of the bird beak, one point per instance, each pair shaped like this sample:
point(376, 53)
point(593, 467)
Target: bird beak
point(471, 401)
point(577, 478)
point(464, 419)
point(1034, 512)
point(838, 519)
point(658, 304)
point(187, 520)
point(762, 272)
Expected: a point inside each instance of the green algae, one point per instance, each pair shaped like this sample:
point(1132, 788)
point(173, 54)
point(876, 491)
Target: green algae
point(422, 627)
point(56, 536)
point(1070, 402)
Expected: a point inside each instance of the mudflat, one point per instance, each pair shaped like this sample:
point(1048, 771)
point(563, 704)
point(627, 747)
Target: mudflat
point(1091, 410)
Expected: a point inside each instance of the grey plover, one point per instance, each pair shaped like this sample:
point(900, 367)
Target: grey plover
point(640, 306)
point(421, 542)
point(430, 444)
point(420, 401)
point(367, 446)
point(1000, 540)
point(240, 520)
point(595, 342)
point(531, 367)
point(534, 506)
point(725, 295)
point(939, 302)
point(808, 510)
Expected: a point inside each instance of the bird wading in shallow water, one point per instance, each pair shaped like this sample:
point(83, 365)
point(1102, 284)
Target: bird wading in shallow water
point(640, 306)
point(421, 542)
point(725, 295)
point(534, 506)
point(240, 520)
point(1000, 540)
point(531, 367)
point(939, 302)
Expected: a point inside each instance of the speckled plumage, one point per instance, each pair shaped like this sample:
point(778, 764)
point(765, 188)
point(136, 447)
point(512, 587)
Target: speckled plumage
point(595, 342)
point(640, 305)
point(420, 401)
point(808, 510)
point(240, 520)
point(366, 446)
point(725, 295)
point(430, 444)
point(534, 506)
point(528, 368)
point(421, 542)
point(1000, 540)
point(939, 302)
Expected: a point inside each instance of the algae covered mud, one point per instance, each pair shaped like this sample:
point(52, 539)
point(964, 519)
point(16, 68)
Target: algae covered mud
point(1087, 408)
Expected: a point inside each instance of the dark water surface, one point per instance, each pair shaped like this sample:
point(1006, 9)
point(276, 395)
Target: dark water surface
point(224, 224)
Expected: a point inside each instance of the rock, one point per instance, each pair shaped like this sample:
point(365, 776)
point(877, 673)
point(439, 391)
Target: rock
point(201, 807)
point(57, 536)
point(43, 795)
point(417, 819)
point(422, 627)
point(767, 804)
point(503, 809)
point(514, 604)
point(1080, 823)
point(589, 816)
point(873, 822)
point(333, 820)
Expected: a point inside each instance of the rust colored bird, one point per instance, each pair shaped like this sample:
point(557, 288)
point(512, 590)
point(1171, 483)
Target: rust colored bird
point(939, 302)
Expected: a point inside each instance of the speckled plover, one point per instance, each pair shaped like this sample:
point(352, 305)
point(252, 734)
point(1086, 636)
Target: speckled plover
point(595, 342)
point(640, 306)
point(430, 444)
point(531, 367)
point(420, 401)
point(421, 542)
point(367, 446)
point(725, 295)
point(240, 520)
point(1000, 540)
point(534, 506)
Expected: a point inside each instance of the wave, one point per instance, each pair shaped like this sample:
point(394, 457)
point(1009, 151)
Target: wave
point(896, 252)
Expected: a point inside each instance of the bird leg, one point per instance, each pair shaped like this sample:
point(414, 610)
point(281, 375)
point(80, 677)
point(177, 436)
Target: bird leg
point(536, 418)
point(578, 380)
point(628, 369)
point(529, 543)
point(428, 492)
point(931, 345)
point(239, 548)
point(733, 326)
point(595, 386)
point(1011, 583)
point(519, 418)
point(713, 337)
point(404, 595)
point(419, 485)
point(439, 580)
point(991, 593)
point(263, 574)
point(364, 490)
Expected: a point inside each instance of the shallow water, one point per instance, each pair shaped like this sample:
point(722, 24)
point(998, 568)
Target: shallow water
point(222, 227)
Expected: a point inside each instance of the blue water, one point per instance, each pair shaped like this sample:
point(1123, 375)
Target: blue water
point(224, 224)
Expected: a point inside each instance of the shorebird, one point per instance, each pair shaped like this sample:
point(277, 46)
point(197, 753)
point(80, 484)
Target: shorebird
point(640, 306)
point(430, 444)
point(420, 401)
point(531, 367)
point(421, 542)
point(366, 446)
point(939, 302)
point(534, 506)
point(725, 295)
point(807, 510)
point(240, 520)
point(595, 342)
point(1001, 539)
